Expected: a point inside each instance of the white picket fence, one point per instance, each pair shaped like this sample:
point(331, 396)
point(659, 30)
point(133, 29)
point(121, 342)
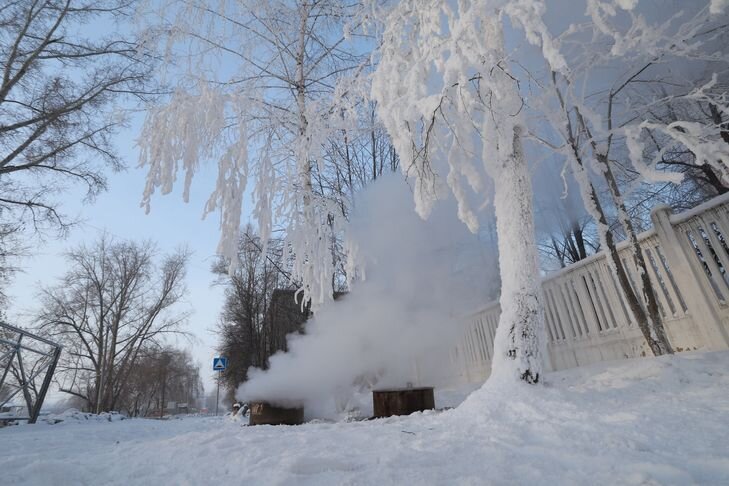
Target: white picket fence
point(587, 318)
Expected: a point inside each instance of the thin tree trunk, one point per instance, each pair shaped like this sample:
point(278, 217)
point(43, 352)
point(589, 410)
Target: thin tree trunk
point(580, 240)
point(559, 253)
point(374, 148)
point(303, 148)
point(650, 322)
point(164, 386)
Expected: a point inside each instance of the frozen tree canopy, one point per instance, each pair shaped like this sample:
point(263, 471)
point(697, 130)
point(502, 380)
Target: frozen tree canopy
point(456, 102)
point(469, 93)
point(258, 90)
point(447, 96)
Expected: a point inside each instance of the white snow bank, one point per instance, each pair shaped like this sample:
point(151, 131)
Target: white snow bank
point(73, 415)
point(645, 421)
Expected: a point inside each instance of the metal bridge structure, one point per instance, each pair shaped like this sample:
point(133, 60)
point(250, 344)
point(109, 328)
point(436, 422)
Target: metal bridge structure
point(27, 364)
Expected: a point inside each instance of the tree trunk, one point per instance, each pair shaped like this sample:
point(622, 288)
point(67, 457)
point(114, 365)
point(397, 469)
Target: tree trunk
point(580, 240)
point(303, 142)
point(713, 180)
point(520, 332)
point(636, 309)
point(649, 321)
point(164, 387)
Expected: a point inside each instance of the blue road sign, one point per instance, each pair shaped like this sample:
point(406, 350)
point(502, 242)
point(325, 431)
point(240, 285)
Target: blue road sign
point(220, 363)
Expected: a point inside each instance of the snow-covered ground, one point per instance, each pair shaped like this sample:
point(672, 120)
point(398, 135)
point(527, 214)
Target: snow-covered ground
point(647, 421)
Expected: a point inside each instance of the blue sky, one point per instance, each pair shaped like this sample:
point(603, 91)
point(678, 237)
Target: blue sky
point(171, 223)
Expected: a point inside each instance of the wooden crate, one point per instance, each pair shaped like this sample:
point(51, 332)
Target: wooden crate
point(263, 413)
point(402, 401)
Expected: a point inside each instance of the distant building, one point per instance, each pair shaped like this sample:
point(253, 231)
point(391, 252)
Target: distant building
point(285, 316)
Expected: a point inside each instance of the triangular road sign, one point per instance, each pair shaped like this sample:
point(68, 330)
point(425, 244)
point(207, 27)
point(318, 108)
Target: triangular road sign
point(219, 364)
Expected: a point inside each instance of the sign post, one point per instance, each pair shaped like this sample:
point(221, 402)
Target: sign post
point(219, 365)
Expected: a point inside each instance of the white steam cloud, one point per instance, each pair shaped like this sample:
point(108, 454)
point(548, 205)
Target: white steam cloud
point(395, 327)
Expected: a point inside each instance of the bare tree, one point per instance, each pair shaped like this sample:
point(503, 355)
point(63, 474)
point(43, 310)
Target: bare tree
point(247, 337)
point(60, 91)
point(566, 233)
point(12, 249)
point(114, 302)
point(353, 158)
point(161, 375)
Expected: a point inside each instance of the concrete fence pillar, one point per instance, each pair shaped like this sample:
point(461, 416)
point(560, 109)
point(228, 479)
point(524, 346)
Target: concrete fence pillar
point(688, 274)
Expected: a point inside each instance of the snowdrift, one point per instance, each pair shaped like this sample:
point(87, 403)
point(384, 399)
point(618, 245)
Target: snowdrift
point(645, 421)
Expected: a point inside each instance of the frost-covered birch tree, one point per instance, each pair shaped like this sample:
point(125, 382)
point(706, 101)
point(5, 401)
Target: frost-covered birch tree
point(258, 91)
point(449, 100)
point(610, 104)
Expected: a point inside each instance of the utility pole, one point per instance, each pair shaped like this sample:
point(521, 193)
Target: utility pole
point(219, 365)
point(217, 397)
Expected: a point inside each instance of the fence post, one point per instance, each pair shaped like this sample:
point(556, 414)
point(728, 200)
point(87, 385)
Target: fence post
point(688, 279)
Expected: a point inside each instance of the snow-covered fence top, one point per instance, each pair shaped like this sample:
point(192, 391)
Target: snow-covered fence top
point(587, 318)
